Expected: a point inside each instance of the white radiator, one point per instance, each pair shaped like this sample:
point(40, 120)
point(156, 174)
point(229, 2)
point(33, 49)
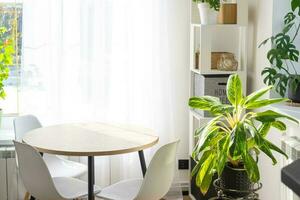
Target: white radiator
point(291, 146)
point(11, 187)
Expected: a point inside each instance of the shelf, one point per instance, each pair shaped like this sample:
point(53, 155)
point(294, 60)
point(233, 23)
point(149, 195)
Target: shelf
point(199, 116)
point(242, 14)
point(205, 40)
point(211, 72)
point(209, 39)
point(218, 25)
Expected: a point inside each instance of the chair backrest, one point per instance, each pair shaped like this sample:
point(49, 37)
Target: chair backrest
point(160, 173)
point(25, 123)
point(34, 173)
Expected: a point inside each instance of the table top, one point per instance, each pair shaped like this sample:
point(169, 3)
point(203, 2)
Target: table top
point(90, 139)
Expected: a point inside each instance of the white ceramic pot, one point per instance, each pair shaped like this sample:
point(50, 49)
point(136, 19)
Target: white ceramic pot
point(207, 14)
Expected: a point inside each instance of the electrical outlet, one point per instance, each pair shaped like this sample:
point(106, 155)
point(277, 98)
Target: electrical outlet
point(183, 164)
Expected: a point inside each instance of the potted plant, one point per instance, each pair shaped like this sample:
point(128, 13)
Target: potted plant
point(6, 58)
point(208, 10)
point(283, 55)
point(231, 142)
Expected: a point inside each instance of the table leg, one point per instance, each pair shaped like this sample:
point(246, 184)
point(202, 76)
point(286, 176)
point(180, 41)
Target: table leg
point(143, 162)
point(91, 178)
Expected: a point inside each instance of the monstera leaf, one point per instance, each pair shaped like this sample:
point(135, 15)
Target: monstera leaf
point(287, 28)
point(266, 41)
point(282, 40)
point(269, 74)
point(296, 5)
point(292, 52)
point(289, 17)
point(275, 57)
point(282, 81)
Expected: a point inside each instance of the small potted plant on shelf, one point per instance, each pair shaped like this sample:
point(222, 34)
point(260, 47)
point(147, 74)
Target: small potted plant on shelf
point(284, 56)
point(231, 142)
point(7, 50)
point(208, 10)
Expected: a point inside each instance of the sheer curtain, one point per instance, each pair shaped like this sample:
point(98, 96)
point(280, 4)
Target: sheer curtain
point(100, 60)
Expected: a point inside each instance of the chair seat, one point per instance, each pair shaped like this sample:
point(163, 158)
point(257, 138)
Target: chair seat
point(123, 190)
point(71, 188)
point(60, 167)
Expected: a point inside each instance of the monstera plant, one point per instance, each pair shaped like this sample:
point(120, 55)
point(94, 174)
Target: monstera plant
point(236, 135)
point(283, 56)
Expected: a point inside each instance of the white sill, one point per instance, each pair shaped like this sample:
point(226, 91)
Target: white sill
point(287, 109)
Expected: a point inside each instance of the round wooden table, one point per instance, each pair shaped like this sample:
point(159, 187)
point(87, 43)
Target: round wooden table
point(92, 139)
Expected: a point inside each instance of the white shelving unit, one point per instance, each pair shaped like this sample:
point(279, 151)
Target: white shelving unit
point(215, 38)
point(196, 121)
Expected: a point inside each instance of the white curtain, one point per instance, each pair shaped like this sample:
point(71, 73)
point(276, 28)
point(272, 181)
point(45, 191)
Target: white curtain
point(103, 60)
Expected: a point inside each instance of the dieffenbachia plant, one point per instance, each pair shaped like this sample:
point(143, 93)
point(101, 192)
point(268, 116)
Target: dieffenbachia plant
point(236, 134)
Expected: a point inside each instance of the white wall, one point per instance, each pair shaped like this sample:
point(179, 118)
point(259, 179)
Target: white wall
point(260, 27)
point(265, 19)
point(179, 41)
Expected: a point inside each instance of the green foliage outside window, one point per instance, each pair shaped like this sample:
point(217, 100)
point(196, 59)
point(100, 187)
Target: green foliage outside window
point(7, 51)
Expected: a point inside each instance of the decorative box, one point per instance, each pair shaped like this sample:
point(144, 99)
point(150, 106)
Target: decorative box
point(212, 85)
point(216, 59)
point(228, 13)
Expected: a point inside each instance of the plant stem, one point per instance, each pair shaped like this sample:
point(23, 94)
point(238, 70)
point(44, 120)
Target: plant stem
point(294, 67)
point(246, 115)
point(287, 67)
point(297, 30)
point(235, 163)
point(230, 120)
point(225, 126)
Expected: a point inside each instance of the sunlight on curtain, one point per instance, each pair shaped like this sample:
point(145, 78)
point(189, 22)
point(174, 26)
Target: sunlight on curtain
point(99, 60)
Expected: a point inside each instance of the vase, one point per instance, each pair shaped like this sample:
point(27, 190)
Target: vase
point(207, 15)
point(235, 181)
point(294, 95)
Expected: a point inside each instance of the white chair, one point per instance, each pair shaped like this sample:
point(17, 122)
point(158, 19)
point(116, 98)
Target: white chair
point(57, 166)
point(156, 183)
point(37, 179)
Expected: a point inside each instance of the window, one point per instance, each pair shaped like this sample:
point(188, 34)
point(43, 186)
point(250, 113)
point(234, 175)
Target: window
point(11, 18)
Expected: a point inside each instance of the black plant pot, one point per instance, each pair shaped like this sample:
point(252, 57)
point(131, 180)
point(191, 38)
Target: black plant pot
point(294, 95)
point(235, 182)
